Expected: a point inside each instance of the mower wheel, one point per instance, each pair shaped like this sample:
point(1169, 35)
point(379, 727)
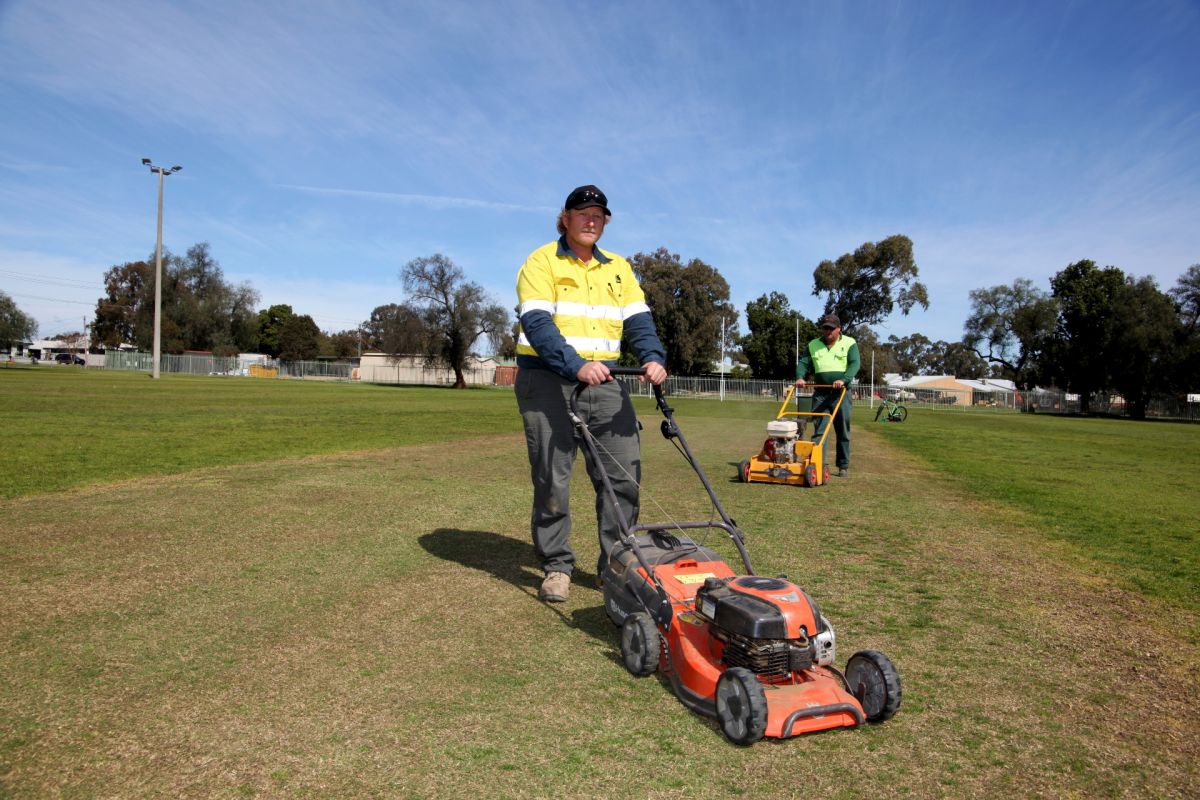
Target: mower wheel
point(744, 471)
point(873, 679)
point(810, 475)
point(640, 647)
point(741, 706)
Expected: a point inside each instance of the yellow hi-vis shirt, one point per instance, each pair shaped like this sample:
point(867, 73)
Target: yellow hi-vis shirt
point(827, 359)
point(588, 303)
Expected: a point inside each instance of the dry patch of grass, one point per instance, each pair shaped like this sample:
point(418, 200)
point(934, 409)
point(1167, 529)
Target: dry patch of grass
point(366, 625)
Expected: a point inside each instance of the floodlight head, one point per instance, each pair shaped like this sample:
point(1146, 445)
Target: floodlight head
point(146, 161)
point(176, 168)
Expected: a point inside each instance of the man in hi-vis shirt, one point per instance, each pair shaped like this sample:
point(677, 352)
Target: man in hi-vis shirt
point(576, 302)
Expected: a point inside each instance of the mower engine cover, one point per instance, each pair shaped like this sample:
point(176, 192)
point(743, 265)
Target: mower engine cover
point(682, 566)
point(766, 618)
point(758, 608)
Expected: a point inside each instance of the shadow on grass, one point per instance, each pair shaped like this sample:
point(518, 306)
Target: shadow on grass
point(515, 562)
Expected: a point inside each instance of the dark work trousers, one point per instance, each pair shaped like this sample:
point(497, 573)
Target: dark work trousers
point(823, 401)
point(542, 398)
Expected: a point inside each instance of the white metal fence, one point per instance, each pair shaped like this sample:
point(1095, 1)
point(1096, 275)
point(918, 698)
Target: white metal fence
point(712, 387)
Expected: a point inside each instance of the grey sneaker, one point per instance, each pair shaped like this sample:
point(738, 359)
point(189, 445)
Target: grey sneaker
point(843, 472)
point(556, 588)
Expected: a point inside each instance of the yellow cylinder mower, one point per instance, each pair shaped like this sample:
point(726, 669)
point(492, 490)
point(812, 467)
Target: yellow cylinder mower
point(787, 456)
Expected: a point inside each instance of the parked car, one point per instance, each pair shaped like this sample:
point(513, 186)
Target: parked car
point(69, 358)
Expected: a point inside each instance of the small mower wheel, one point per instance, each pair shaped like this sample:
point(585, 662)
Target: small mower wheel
point(640, 647)
point(810, 475)
point(900, 414)
point(741, 706)
point(873, 679)
point(744, 471)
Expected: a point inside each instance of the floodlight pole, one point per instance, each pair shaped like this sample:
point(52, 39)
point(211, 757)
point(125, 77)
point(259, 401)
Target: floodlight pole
point(721, 365)
point(162, 172)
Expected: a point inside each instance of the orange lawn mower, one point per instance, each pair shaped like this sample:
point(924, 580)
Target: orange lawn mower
point(752, 652)
point(786, 455)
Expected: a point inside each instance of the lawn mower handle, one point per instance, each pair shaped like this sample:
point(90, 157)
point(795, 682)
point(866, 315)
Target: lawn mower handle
point(670, 431)
point(638, 372)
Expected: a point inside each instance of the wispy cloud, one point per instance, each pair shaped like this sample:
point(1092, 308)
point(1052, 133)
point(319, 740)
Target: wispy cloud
point(427, 201)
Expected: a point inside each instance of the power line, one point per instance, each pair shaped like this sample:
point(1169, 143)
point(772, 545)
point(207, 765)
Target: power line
point(25, 276)
point(56, 299)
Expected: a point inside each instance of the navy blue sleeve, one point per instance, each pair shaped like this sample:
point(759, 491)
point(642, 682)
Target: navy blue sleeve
point(552, 348)
point(643, 338)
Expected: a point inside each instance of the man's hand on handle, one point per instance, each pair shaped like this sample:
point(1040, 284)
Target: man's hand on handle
point(593, 373)
point(656, 373)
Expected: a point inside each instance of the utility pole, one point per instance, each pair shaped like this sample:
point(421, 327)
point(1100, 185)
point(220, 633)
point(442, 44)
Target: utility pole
point(162, 172)
point(797, 340)
point(721, 364)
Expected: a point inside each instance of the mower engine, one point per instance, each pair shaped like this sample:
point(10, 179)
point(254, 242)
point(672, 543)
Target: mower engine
point(780, 446)
point(769, 626)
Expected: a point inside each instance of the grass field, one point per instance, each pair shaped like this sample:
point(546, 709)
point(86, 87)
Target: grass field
point(235, 588)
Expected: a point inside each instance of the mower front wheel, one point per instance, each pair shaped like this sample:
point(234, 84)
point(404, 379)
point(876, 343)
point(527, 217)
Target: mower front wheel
point(872, 678)
point(744, 471)
point(640, 647)
point(741, 706)
point(810, 475)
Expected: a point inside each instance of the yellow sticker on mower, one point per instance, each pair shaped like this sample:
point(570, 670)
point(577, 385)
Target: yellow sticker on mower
point(698, 577)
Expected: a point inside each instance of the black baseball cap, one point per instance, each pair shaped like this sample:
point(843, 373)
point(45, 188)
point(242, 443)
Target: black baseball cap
point(587, 197)
point(830, 321)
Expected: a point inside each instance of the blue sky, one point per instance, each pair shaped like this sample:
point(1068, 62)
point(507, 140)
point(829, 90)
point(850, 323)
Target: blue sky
point(326, 144)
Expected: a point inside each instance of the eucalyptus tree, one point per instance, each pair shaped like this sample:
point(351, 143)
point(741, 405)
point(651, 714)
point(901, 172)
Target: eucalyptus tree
point(1012, 327)
point(15, 325)
point(691, 308)
point(770, 346)
point(455, 312)
point(864, 287)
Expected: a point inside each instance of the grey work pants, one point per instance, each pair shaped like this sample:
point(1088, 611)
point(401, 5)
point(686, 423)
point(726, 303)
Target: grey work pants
point(542, 398)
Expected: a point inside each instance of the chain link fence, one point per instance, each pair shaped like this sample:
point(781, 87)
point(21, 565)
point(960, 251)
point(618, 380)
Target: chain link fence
point(709, 387)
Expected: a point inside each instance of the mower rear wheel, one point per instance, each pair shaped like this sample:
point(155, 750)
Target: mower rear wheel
point(873, 679)
point(640, 646)
point(744, 471)
point(741, 706)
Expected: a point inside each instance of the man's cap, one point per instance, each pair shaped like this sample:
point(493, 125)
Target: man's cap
point(830, 321)
point(587, 197)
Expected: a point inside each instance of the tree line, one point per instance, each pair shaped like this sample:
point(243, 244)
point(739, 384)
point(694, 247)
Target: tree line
point(1095, 330)
point(202, 311)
